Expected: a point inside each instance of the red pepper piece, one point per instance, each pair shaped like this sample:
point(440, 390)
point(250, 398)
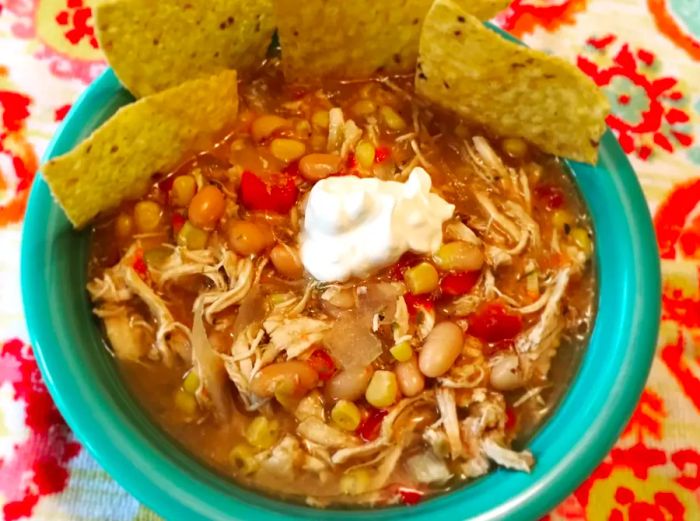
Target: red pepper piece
point(369, 427)
point(410, 496)
point(456, 284)
point(278, 196)
point(351, 161)
point(322, 363)
point(284, 194)
point(511, 418)
point(166, 184)
point(493, 323)
point(178, 221)
point(416, 302)
point(551, 196)
point(382, 153)
point(406, 261)
point(292, 169)
point(139, 264)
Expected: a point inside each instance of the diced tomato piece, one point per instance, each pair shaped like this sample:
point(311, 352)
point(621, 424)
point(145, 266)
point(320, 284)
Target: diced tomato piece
point(416, 302)
point(410, 496)
point(166, 184)
point(322, 363)
point(178, 221)
point(511, 418)
point(278, 196)
point(139, 264)
point(292, 169)
point(284, 194)
point(406, 261)
point(351, 161)
point(456, 284)
point(382, 153)
point(493, 323)
point(369, 427)
point(551, 196)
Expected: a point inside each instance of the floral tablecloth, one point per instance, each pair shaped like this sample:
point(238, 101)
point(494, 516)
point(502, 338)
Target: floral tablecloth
point(645, 54)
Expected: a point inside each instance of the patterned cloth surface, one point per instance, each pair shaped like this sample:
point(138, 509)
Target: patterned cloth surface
point(645, 55)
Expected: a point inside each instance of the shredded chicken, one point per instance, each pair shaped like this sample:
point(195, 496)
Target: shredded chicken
point(167, 325)
point(499, 218)
point(212, 373)
point(293, 335)
point(531, 340)
point(127, 342)
point(385, 433)
point(508, 458)
point(448, 413)
point(317, 431)
point(241, 274)
point(458, 231)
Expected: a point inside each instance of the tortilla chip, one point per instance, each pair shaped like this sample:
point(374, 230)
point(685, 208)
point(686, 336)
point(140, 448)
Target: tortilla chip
point(355, 39)
point(148, 137)
point(153, 45)
point(510, 89)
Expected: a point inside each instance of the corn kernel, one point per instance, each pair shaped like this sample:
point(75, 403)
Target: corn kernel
point(124, 226)
point(363, 107)
point(147, 215)
point(318, 142)
point(391, 118)
point(192, 238)
point(422, 278)
point(364, 153)
point(287, 150)
point(303, 129)
point(264, 126)
point(319, 119)
point(191, 382)
point(286, 394)
point(402, 351)
point(514, 147)
point(185, 402)
point(262, 433)
point(346, 415)
point(278, 298)
point(582, 239)
point(156, 257)
point(355, 482)
point(382, 390)
point(459, 256)
point(242, 457)
point(182, 192)
point(563, 221)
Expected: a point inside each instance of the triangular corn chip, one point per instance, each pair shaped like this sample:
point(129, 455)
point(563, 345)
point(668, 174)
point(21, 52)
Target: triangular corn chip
point(512, 90)
point(355, 39)
point(153, 45)
point(148, 137)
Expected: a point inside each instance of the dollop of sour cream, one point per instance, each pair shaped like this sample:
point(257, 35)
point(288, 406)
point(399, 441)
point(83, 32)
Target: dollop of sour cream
point(355, 226)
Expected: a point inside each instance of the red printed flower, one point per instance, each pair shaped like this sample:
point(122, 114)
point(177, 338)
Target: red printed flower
point(666, 507)
point(76, 18)
point(18, 160)
point(38, 465)
point(648, 110)
point(523, 16)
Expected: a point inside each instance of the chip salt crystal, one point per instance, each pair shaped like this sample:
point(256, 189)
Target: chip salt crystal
point(355, 226)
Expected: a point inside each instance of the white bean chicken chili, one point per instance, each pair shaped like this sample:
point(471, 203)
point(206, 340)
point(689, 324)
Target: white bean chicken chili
point(427, 372)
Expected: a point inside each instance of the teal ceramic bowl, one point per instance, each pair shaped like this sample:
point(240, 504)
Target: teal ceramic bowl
point(84, 381)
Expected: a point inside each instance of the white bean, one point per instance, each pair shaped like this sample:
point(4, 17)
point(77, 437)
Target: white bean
point(349, 384)
point(506, 373)
point(411, 380)
point(441, 348)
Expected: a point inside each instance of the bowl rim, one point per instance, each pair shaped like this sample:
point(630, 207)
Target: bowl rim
point(567, 450)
